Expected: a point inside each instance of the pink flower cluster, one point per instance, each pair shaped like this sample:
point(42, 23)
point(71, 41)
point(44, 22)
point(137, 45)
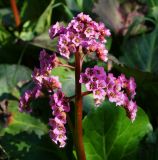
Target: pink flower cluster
point(81, 35)
point(60, 105)
point(81, 32)
point(119, 90)
point(46, 83)
point(42, 80)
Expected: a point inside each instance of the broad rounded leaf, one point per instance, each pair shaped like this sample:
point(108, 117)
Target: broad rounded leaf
point(43, 41)
point(21, 122)
point(10, 75)
point(25, 146)
point(141, 52)
point(109, 134)
point(67, 78)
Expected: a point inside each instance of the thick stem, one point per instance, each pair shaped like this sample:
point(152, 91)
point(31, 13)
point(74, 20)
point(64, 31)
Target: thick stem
point(15, 12)
point(78, 110)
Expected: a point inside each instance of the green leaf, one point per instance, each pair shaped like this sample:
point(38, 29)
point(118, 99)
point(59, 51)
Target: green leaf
point(25, 146)
point(80, 4)
point(110, 135)
point(73, 5)
point(141, 52)
point(43, 41)
point(10, 75)
point(153, 6)
point(88, 103)
point(67, 78)
point(31, 10)
point(44, 21)
point(109, 43)
point(154, 12)
point(4, 36)
point(23, 122)
point(27, 32)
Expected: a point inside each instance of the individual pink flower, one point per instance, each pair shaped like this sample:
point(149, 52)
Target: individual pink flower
point(89, 31)
point(78, 26)
point(99, 94)
point(63, 40)
point(101, 83)
point(37, 77)
point(51, 83)
point(89, 71)
point(102, 54)
point(61, 138)
point(91, 86)
point(131, 110)
point(72, 48)
point(55, 30)
point(84, 18)
point(99, 72)
point(131, 86)
point(76, 41)
point(64, 51)
point(123, 81)
point(84, 78)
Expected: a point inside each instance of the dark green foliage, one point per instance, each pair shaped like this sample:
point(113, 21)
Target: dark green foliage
point(108, 133)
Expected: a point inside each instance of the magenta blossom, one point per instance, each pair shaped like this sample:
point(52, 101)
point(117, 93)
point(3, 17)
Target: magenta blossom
point(60, 105)
point(81, 32)
point(107, 86)
point(81, 37)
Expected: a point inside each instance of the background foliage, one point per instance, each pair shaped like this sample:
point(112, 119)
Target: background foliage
point(108, 134)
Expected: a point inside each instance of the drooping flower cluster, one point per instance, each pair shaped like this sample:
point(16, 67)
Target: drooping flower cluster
point(60, 105)
point(81, 32)
point(44, 82)
point(119, 90)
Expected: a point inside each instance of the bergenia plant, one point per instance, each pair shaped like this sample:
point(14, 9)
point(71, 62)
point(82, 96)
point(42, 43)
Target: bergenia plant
point(81, 37)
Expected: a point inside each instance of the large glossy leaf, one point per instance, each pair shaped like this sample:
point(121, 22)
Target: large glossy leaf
point(23, 122)
point(43, 41)
point(141, 52)
point(25, 146)
point(10, 75)
point(110, 135)
point(67, 78)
